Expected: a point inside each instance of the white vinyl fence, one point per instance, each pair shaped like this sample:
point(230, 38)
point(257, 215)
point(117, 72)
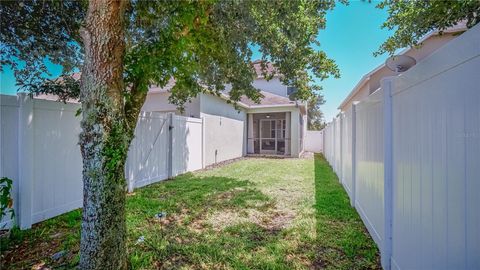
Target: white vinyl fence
point(314, 141)
point(410, 160)
point(40, 152)
point(156, 154)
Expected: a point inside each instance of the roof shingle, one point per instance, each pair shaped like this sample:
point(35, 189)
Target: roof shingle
point(268, 99)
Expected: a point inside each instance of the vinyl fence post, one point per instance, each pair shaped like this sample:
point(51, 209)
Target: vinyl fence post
point(170, 146)
point(203, 142)
point(386, 85)
point(131, 160)
point(334, 145)
point(25, 161)
point(128, 167)
point(354, 153)
point(340, 167)
point(322, 134)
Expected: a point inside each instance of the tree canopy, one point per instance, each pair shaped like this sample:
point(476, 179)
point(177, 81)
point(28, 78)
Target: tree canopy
point(411, 20)
point(33, 33)
point(202, 44)
point(314, 114)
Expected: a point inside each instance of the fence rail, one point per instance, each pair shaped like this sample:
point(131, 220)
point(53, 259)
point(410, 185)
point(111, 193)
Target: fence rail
point(409, 155)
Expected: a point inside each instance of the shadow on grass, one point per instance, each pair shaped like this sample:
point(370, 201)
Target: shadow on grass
point(244, 238)
point(182, 238)
point(33, 248)
point(190, 193)
point(186, 237)
point(343, 241)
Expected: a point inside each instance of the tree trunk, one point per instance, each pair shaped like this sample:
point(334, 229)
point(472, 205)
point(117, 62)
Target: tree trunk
point(105, 138)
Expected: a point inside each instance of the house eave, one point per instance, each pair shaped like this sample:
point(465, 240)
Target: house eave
point(367, 76)
point(239, 103)
point(272, 106)
point(356, 89)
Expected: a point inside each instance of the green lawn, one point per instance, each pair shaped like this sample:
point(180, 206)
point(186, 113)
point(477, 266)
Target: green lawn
point(250, 214)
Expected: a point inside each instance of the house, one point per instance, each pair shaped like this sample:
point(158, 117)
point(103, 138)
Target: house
point(275, 126)
point(370, 82)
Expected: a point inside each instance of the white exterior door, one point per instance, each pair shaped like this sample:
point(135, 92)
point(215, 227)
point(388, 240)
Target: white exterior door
point(272, 136)
point(268, 136)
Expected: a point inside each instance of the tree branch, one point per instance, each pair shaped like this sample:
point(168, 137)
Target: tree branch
point(134, 102)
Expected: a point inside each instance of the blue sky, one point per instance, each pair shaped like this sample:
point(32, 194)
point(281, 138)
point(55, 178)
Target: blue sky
point(352, 35)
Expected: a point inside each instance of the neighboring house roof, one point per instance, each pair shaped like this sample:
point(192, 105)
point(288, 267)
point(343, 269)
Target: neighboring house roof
point(157, 89)
point(461, 27)
point(268, 99)
point(52, 97)
point(269, 69)
point(257, 66)
point(76, 76)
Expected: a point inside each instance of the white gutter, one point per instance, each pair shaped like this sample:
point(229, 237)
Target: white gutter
point(271, 106)
point(241, 104)
point(246, 106)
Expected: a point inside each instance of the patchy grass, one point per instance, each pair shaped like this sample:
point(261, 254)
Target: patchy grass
point(31, 249)
point(250, 214)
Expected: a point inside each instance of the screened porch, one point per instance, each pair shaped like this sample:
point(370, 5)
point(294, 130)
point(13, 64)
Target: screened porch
point(269, 133)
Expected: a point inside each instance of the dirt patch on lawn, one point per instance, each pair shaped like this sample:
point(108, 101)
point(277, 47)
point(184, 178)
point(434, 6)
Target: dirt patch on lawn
point(307, 155)
point(37, 253)
point(224, 218)
point(270, 220)
point(221, 163)
point(281, 219)
point(228, 195)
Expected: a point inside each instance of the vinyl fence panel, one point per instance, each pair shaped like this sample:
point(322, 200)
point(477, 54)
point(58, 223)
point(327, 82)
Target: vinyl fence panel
point(327, 137)
point(40, 152)
point(337, 146)
point(369, 168)
point(186, 144)
point(57, 162)
point(314, 141)
point(347, 151)
point(415, 160)
point(332, 143)
point(148, 152)
point(436, 131)
point(9, 147)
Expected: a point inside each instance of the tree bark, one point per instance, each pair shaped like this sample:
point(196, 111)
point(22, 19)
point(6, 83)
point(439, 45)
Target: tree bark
point(105, 138)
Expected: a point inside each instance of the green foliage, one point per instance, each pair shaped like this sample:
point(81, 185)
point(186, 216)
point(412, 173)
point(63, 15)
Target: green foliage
point(202, 44)
point(35, 32)
point(6, 201)
point(65, 88)
point(411, 20)
point(314, 114)
point(115, 152)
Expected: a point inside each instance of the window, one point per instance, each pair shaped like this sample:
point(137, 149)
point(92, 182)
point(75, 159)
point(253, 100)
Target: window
point(291, 90)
